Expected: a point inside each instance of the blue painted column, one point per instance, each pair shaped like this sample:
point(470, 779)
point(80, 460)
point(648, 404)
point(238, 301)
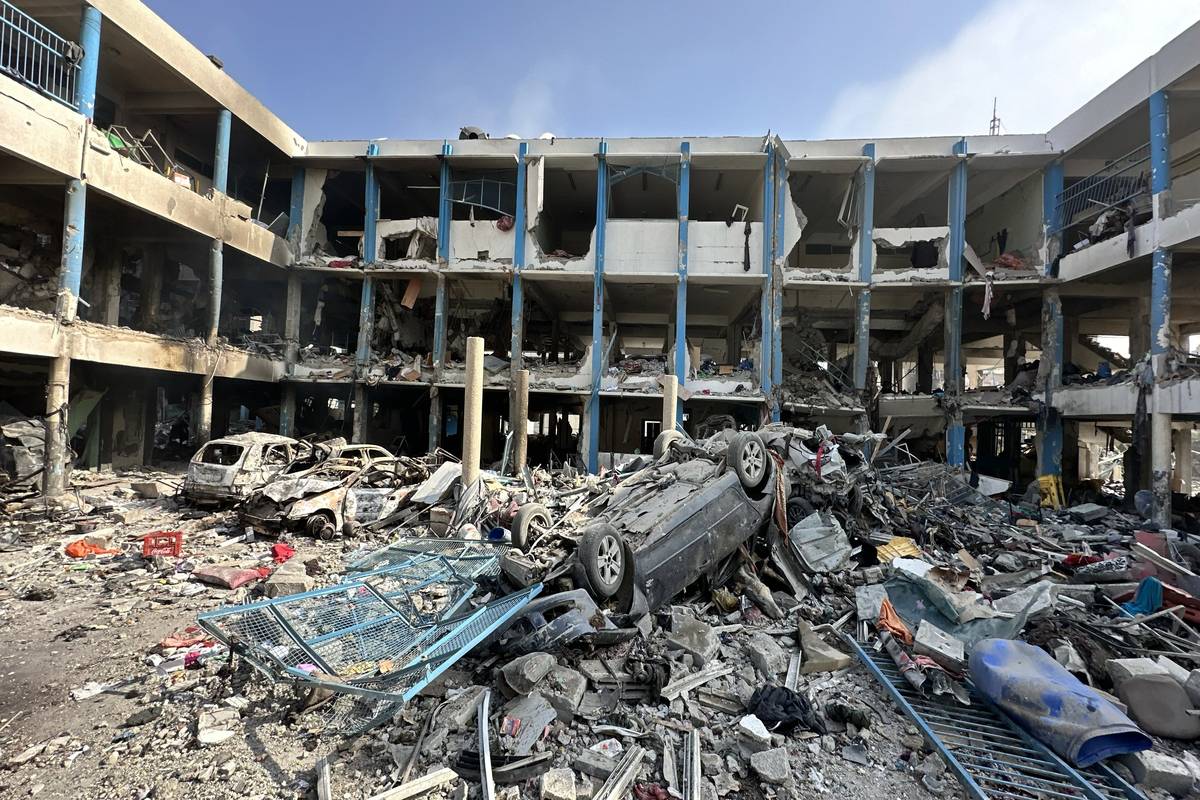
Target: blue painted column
point(366, 305)
point(781, 188)
point(1160, 303)
point(439, 302)
point(517, 343)
point(682, 202)
point(216, 251)
point(1049, 423)
point(295, 229)
point(593, 409)
point(866, 266)
point(953, 379)
point(767, 308)
point(75, 212)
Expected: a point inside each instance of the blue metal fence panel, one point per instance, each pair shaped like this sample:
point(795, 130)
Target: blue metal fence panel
point(989, 755)
point(36, 56)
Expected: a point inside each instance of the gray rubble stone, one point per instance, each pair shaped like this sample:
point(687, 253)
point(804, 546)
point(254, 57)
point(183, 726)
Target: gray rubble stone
point(525, 672)
point(767, 656)
point(598, 765)
point(290, 578)
point(947, 650)
point(460, 710)
point(696, 639)
point(558, 784)
point(564, 688)
point(773, 766)
point(1192, 686)
point(1159, 770)
point(819, 656)
point(1173, 669)
point(753, 728)
point(1159, 705)
point(1122, 669)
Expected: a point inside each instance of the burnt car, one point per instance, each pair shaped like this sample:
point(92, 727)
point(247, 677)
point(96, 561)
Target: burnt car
point(228, 469)
point(666, 526)
point(336, 495)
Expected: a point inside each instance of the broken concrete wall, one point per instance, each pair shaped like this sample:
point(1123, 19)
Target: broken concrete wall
point(643, 245)
point(313, 236)
point(898, 266)
point(480, 240)
point(1018, 212)
point(409, 239)
point(715, 248)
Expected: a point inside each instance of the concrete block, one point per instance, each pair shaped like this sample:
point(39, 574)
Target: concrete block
point(753, 728)
point(695, 638)
point(290, 578)
point(1173, 669)
point(1122, 669)
point(1159, 705)
point(946, 650)
point(525, 672)
point(773, 766)
point(564, 688)
point(1088, 512)
point(558, 784)
point(1160, 771)
point(767, 656)
point(598, 765)
point(819, 656)
point(1192, 686)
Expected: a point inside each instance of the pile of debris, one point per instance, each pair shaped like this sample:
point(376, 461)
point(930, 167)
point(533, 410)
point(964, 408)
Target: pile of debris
point(779, 612)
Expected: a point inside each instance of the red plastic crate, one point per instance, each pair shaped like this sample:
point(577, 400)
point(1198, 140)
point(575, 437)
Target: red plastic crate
point(162, 543)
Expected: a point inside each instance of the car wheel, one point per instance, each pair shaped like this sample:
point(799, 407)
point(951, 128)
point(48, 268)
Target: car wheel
point(602, 558)
point(797, 509)
point(750, 459)
point(320, 525)
point(663, 442)
point(527, 517)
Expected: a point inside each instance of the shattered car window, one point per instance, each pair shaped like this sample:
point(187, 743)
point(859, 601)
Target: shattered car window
point(276, 455)
point(223, 454)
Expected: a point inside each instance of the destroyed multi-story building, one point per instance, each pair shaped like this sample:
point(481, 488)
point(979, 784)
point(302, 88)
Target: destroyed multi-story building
point(179, 264)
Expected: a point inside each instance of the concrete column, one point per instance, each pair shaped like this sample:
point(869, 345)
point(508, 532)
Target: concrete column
point(472, 410)
point(1012, 353)
point(295, 229)
point(1182, 481)
point(287, 410)
point(1160, 154)
point(216, 281)
point(74, 214)
point(516, 345)
point(435, 418)
point(767, 311)
point(924, 370)
point(887, 375)
point(670, 402)
point(221, 152)
point(110, 288)
point(592, 428)
point(866, 266)
point(1139, 328)
point(362, 413)
point(1052, 187)
point(775, 401)
point(204, 412)
point(54, 478)
point(1160, 467)
point(153, 264)
point(1049, 423)
point(682, 203)
point(520, 422)
point(953, 379)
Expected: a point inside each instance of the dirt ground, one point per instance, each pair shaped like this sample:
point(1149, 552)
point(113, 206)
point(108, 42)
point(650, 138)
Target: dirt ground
point(70, 628)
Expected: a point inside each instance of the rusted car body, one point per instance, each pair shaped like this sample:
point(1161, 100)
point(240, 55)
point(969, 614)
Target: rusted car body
point(336, 495)
point(228, 469)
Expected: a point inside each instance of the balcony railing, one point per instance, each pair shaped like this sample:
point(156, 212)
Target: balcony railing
point(1118, 182)
point(37, 56)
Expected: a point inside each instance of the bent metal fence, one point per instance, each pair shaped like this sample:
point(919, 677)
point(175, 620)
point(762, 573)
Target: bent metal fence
point(1120, 181)
point(36, 56)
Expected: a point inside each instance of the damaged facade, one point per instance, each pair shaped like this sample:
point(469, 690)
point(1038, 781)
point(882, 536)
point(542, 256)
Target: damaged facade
point(182, 276)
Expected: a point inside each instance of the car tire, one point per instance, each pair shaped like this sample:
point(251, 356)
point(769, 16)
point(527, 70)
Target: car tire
point(663, 442)
point(797, 509)
point(320, 525)
point(526, 517)
point(602, 557)
point(750, 459)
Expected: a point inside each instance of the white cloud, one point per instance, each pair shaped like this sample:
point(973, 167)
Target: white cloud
point(1041, 60)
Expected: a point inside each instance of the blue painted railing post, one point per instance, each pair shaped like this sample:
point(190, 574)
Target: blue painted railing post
point(593, 409)
point(866, 265)
point(1049, 423)
point(953, 366)
point(766, 310)
point(75, 211)
point(1160, 303)
point(439, 302)
point(682, 202)
point(777, 281)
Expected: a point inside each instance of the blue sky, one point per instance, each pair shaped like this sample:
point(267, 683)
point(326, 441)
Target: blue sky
point(376, 69)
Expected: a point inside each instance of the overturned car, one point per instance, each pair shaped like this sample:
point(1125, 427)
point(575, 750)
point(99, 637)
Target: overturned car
point(663, 527)
point(335, 496)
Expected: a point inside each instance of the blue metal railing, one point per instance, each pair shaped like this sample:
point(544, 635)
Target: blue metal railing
point(37, 56)
point(1120, 181)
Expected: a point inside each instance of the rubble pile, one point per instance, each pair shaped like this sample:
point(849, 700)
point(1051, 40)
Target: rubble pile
point(774, 613)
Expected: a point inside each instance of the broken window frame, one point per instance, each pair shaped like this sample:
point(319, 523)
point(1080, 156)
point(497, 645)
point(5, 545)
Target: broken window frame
point(487, 192)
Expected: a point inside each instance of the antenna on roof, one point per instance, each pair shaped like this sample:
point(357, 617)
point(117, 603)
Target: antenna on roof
point(994, 125)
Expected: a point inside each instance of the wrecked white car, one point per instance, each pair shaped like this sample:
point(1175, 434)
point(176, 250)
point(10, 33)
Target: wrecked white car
point(228, 469)
point(336, 495)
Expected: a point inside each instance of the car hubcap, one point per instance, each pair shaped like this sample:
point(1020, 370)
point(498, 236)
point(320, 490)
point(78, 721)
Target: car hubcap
point(609, 559)
point(753, 460)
